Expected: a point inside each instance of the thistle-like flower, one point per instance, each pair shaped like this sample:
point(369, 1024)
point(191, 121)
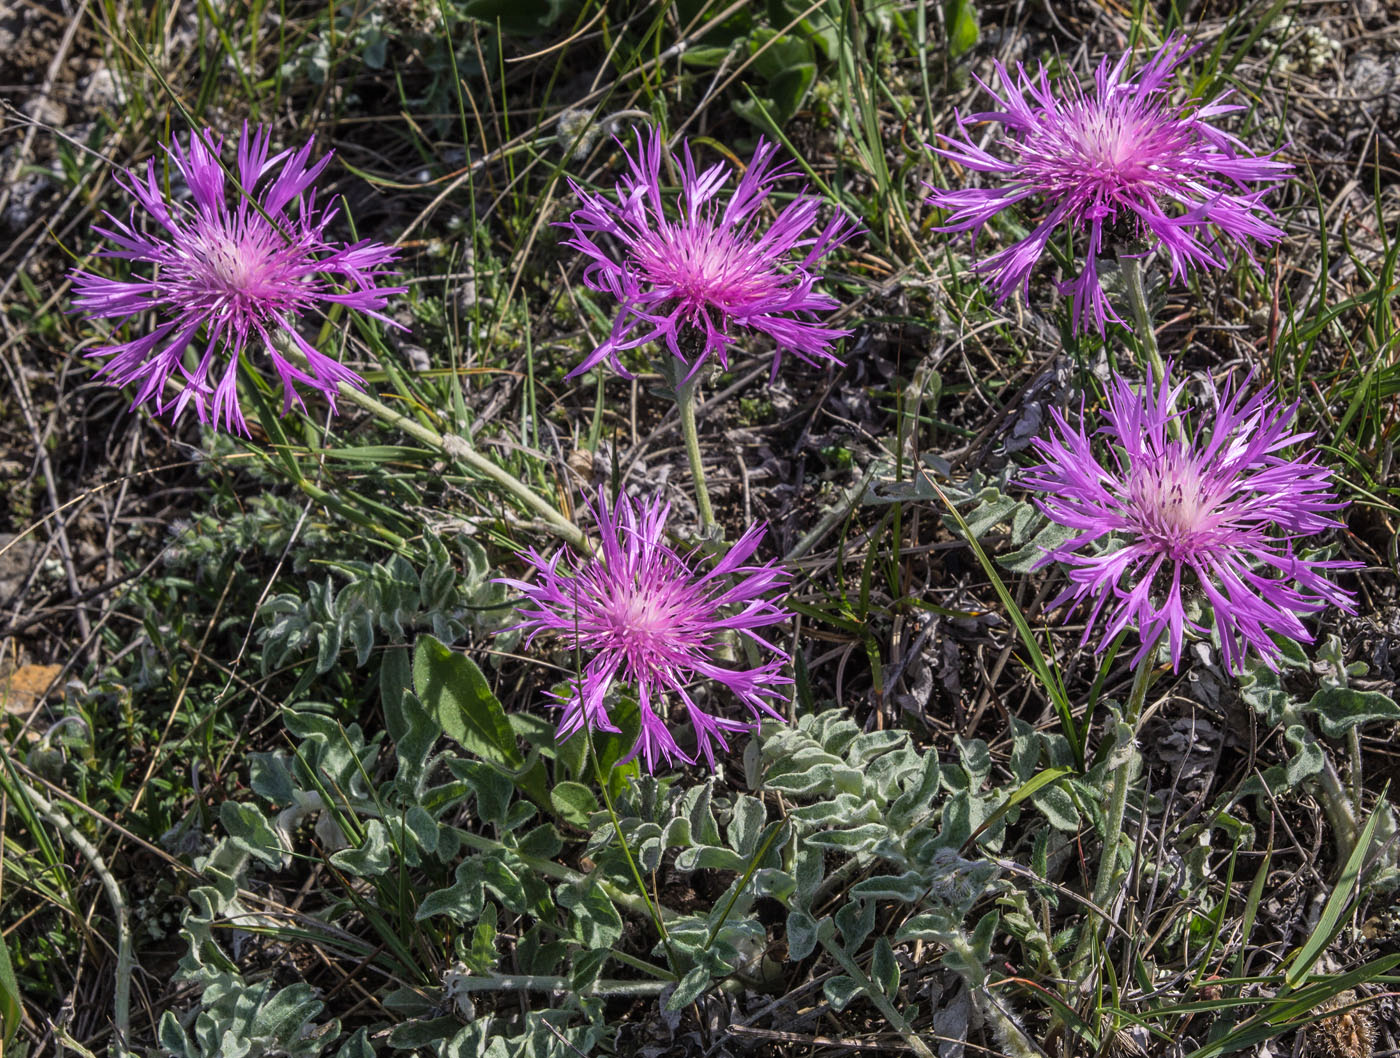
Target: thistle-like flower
point(241, 264)
point(1214, 517)
point(654, 620)
point(698, 278)
point(1118, 167)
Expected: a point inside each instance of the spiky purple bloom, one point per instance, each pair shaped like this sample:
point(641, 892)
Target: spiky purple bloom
point(1214, 517)
point(653, 619)
point(698, 278)
point(1116, 166)
point(238, 265)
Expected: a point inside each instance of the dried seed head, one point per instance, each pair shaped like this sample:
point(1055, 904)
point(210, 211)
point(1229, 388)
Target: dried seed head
point(1351, 1033)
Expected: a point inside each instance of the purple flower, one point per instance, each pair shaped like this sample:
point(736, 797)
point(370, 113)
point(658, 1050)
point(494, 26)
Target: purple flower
point(1121, 162)
point(1213, 517)
point(652, 619)
point(238, 262)
point(698, 279)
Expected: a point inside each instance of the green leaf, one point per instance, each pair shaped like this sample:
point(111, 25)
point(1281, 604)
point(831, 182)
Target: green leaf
point(1035, 788)
point(1033, 551)
point(462, 901)
point(543, 842)
point(249, 830)
point(706, 58)
point(1333, 913)
point(454, 691)
point(1309, 758)
point(172, 1036)
point(961, 19)
point(1058, 808)
point(483, 956)
point(357, 1046)
point(1339, 709)
point(908, 887)
point(801, 935)
point(855, 920)
point(585, 968)
point(574, 802)
point(269, 778)
point(746, 825)
point(855, 838)
point(840, 990)
point(10, 1007)
point(596, 922)
point(708, 857)
point(884, 971)
point(690, 988)
point(373, 857)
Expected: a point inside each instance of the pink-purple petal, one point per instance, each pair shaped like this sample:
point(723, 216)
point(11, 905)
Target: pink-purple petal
point(1216, 516)
point(244, 271)
point(653, 619)
point(1116, 152)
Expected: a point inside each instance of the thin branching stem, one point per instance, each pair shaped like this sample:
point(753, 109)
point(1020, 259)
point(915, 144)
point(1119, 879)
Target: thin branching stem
point(457, 448)
point(121, 992)
point(460, 449)
point(1122, 779)
point(1142, 323)
point(653, 909)
point(897, 1021)
point(685, 405)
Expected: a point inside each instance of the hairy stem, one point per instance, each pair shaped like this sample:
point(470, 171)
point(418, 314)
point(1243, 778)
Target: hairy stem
point(897, 1021)
point(454, 447)
point(459, 448)
point(1119, 783)
point(1339, 804)
point(1118, 792)
point(531, 983)
point(685, 404)
point(1354, 753)
point(121, 993)
point(653, 909)
point(1131, 268)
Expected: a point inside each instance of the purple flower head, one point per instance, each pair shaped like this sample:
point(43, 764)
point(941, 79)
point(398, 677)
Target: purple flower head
point(712, 269)
point(1212, 517)
point(238, 265)
point(653, 619)
point(1118, 165)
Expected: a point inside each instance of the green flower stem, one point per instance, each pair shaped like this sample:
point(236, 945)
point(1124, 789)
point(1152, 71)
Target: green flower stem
point(460, 449)
point(1131, 268)
point(454, 447)
point(685, 404)
point(1354, 756)
point(1122, 779)
point(121, 992)
point(532, 983)
point(653, 909)
point(550, 869)
point(900, 1024)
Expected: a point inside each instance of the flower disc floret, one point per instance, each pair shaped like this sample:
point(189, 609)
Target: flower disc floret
point(242, 263)
point(1160, 519)
point(650, 618)
point(700, 275)
point(1119, 165)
